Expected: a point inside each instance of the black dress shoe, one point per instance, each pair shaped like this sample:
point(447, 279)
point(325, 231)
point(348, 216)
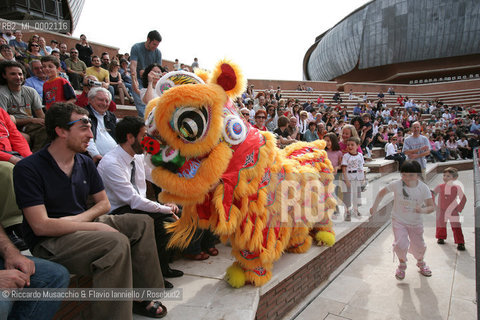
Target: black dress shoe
point(461, 247)
point(171, 273)
point(168, 285)
point(441, 241)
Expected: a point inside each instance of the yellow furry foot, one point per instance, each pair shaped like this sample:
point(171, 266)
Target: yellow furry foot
point(325, 238)
point(235, 276)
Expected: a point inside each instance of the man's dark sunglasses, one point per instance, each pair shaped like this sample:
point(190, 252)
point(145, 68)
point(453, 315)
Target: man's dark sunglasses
point(84, 121)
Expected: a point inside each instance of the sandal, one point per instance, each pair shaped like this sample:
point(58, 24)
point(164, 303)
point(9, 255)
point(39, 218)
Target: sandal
point(213, 251)
point(199, 256)
point(140, 307)
point(400, 273)
point(424, 269)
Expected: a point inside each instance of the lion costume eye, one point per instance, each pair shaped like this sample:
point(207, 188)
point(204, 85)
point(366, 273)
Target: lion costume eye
point(191, 123)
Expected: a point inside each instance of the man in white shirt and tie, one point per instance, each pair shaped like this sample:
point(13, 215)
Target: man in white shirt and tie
point(103, 123)
point(124, 173)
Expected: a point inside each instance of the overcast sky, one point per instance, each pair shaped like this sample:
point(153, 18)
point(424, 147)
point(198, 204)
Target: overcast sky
point(267, 38)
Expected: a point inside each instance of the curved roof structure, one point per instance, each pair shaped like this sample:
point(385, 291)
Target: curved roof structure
point(385, 32)
point(75, 8)
point(52, 10)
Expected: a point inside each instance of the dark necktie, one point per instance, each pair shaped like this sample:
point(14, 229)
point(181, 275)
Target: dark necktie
point(132, 177)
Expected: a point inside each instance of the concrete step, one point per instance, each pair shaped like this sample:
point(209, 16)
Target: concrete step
point(125, 110)
point(378, 152)
point(382, 166)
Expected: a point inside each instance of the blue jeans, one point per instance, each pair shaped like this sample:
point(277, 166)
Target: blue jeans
point(138, 101)
point(47, 275)
point(129, 87)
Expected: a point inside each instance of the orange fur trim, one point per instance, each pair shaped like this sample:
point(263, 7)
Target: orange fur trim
point(241, 82)
point(202, 74)
point(183, 229)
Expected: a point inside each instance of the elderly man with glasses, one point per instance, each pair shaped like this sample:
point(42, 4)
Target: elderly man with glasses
point(103, 123)
point(38, 79)
point(76, 69)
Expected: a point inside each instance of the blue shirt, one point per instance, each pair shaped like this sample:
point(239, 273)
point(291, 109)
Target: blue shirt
point(144, 57)
point(38, 180)
point(35, 83)
point(21, 47)
point(474, 127)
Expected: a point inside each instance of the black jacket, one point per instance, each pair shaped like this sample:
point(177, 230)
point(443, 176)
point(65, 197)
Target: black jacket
point(110, 122)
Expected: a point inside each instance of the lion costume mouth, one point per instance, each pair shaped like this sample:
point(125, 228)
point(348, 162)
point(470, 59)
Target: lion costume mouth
point(171, 159)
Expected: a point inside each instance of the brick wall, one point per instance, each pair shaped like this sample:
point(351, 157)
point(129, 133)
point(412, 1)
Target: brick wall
point(97, 48)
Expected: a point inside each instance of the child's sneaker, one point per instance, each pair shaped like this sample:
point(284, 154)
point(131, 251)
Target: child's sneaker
point(461, 247)
point(441, 241)
point(400, 272)
point(424, 269)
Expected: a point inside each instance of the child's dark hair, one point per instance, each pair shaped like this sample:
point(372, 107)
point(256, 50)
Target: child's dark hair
point(409, 166)
point(51, 59)
point(453, 171)
point(354, 139)
point(334, 140)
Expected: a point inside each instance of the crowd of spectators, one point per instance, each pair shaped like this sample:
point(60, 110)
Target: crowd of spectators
point(452, 130)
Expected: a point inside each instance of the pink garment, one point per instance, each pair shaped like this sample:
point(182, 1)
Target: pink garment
point(335, 157)
point(343, 147)
point(408, 238)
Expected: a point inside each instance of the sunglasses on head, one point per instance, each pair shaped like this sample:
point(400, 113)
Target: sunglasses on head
point(83, 120)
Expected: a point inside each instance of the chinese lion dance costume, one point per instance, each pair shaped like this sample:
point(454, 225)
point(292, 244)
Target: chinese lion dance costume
point(231, 177)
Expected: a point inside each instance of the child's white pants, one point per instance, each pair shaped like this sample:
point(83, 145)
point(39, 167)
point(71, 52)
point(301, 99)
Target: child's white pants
point(408, 238)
